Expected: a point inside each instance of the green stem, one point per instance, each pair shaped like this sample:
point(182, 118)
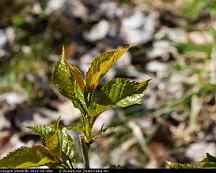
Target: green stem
point(66, 164)
point(85, 151)
point(93, 121)
point(71, 164)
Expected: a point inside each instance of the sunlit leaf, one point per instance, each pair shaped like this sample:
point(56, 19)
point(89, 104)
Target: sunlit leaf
point(25, 157)
point(52, 143)
point(43, 130)
point(56, 138)
point(209, 158)
point(62, 78)
point(209, 161)
point(79, 127)
point(68, 80)
point(100, 65)
point(42, 150)
point(173, 165)
point(78, 76)
point(66, 143)
point(118, 93)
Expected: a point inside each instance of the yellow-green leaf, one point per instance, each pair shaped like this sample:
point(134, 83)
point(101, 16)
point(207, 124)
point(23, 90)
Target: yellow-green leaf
point(25, 157)
point(42, 150)
point(68, 80)
point(60, 144)
point(78, 76)
point(62, 78)
point(100, 65)
point(173, 165)
point(209, 161)
point(66, 143)
point(43, 130)
point(79, 127)
point(117, 93)
point(56, 139)
point(52, 143)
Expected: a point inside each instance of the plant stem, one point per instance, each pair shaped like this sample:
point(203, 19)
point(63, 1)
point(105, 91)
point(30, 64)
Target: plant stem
point(85, 151)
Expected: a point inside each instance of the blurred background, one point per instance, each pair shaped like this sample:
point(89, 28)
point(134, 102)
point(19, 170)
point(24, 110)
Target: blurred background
point(174, 45)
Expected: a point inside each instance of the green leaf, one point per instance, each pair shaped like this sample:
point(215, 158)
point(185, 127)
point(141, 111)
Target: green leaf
point(25, 157)
point(100, 65)
point(210, 158)
point(102, 130)
point(79, 127)
point(66, 143)
point(55, 138)
point(68, 80)
point(78, 76)
point(211, 165)
point(52, 143)
point(42, 150)
point(52, 165)
point(43, 130)
point(60, 144)
point(79, 101)
point(117, 93)
point(209, 161)
point(62, 78)
point(173, 165)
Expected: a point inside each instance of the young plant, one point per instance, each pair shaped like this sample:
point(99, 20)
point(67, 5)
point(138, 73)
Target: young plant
point(57, 150)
